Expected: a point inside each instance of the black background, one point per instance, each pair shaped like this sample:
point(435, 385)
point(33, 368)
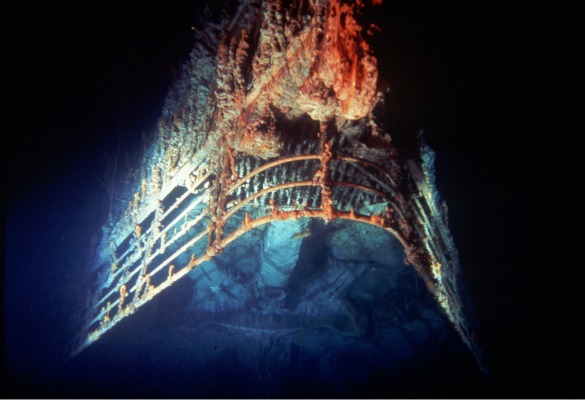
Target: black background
point(495, 86)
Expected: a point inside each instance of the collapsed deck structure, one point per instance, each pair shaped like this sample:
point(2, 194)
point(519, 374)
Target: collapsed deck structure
point(272, 119)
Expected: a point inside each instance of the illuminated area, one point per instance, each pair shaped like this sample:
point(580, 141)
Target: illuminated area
point(271, 185)
point(101, 96)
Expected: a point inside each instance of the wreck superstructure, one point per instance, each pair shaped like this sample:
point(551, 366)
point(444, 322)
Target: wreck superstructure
point(272, 119)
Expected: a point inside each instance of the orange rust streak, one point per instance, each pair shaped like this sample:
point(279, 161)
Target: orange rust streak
point(354, 71)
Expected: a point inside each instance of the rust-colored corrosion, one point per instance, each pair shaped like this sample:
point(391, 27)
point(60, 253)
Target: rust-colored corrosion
point(273, 119)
